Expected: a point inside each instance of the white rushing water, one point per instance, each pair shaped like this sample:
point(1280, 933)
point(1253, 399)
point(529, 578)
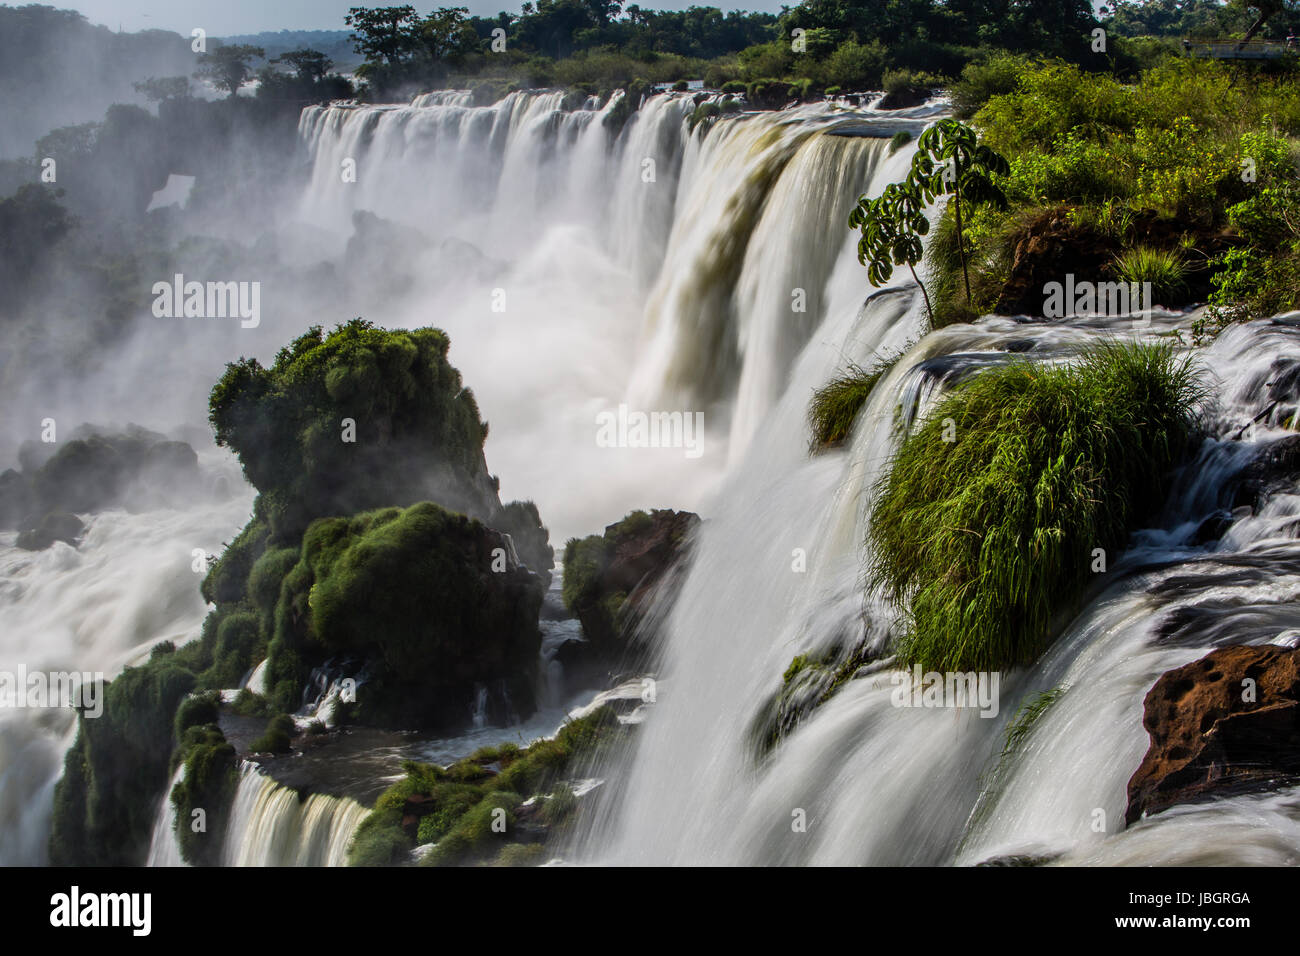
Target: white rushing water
point(711, 271)
point(880, 784)
point(96, 608)
point(270, 825)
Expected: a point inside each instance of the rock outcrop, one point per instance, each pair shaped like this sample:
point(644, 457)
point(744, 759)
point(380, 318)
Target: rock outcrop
point(609, 579)
point(1227, 723)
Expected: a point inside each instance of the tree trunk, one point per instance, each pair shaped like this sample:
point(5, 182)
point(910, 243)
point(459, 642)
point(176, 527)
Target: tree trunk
point(925, 295)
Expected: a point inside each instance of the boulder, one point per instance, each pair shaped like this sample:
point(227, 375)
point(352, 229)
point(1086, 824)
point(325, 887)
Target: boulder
point(55, 526)
point(1274, 468)
point(610, 579)
point(1227, 723)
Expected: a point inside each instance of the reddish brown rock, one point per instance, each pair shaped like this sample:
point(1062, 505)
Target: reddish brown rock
point(1211, 736)
point(610, 587)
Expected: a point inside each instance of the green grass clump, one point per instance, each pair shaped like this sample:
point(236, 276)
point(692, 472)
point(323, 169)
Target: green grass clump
point(988, 538)
point(1024, 719)
point(835, 406)
point(1165, 269)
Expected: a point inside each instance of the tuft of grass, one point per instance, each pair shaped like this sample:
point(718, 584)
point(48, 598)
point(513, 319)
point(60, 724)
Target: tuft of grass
point(1024, 719)
point(898, 141)
point(835, 406)
point(1165, 269)
point(984, 526)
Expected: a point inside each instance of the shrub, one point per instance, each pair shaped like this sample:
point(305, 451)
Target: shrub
point(197, 710)
point(988, 537)
point(277, 737)
point(733, 87)
point(856, 66)
point(1165, 269)
point(898, 141)
point(995, 75)
point(248, 704)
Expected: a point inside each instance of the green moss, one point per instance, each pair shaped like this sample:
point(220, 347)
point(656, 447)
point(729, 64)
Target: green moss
point(117, 767)
point(702, 113)
point(988, 538)
point(417, 429)
point(208, 787)
point(479, 833)
point(227, 578)
point(238, 643)
point(249, 704)
point(278, 736)
point(197, 710)
point(414, 591)
point(453, 806)
point(521, 854)
point(380, 840)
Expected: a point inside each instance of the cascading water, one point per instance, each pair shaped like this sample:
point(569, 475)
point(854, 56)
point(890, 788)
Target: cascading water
point(270, 825)
point(707, 270)
point(128, 585)
point(880, 784)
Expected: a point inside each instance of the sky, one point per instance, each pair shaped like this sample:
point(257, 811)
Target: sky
point(234, 17)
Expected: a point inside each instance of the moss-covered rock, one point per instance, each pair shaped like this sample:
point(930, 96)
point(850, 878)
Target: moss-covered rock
point(96, 469)
point(428, 598)
point(476, 808)
point(117, 767)
point(609, 578)
point(521, 520)
point(203, 797)
point(357, 419)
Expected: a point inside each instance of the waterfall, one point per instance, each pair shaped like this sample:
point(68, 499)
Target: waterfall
point(99, 607)
point(163, 849)
point(271, 826)
point(578, 264)
point(886, 785)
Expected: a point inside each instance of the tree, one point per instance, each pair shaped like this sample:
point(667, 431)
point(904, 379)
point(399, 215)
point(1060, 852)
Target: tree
point(384, 33)
point(445, 33)
point(158, 89)
point(950, 160)
point(892, 226)
point(229, 66)
point(306, 64)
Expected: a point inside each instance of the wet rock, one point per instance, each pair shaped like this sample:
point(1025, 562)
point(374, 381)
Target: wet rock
point(1212, 528)
point(1276, 467)
point(56, 526)
point(905, 98)
point(1227, 723)
point(96, 469)
point(610, 580)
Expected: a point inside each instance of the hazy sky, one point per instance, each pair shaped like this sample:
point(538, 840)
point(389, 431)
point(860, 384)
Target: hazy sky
point(227, 17)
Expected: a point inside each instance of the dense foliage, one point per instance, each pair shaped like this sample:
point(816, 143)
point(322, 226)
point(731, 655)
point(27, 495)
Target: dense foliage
point(987, 524)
